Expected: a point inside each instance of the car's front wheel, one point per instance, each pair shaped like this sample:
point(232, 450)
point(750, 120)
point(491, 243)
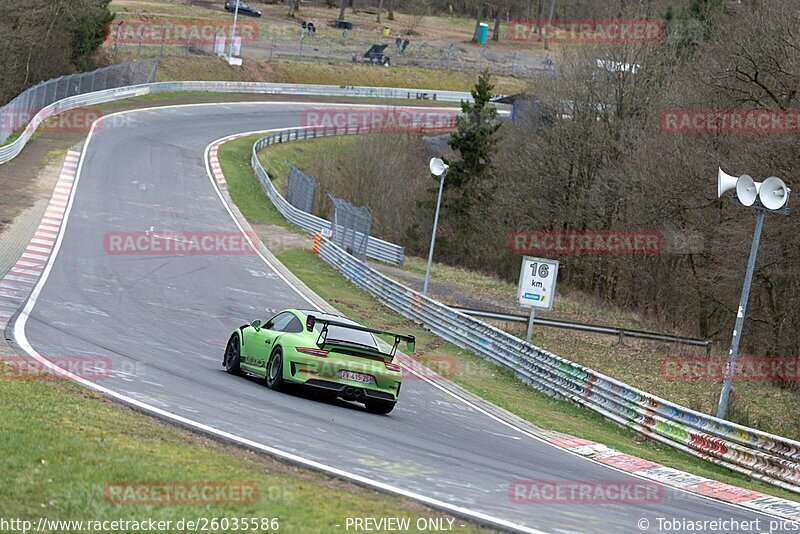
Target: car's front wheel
point(275, 370)
point(232, 356)
point(379, 406)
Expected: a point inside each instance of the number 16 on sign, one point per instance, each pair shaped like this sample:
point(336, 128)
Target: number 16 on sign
point(537, 286)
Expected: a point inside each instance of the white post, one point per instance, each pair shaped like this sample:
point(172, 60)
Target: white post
point(233, 30)
point(530, 325)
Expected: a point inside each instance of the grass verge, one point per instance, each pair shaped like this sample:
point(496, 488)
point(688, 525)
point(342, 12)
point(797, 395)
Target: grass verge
point(64, 445)
point(243, 187)
point(177, 68)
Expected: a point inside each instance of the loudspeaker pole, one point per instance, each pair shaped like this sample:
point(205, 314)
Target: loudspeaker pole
point(722, 407)
point(770, 195)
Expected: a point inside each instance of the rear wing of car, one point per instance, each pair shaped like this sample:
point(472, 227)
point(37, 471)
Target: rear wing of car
point(311, 321)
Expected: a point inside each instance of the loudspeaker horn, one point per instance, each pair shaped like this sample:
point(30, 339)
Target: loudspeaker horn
point(725, 182)
point(438, 166)
point(747, 189)
point(773, 193)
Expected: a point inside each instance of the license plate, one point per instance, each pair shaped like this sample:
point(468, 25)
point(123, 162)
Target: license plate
point(356, 377)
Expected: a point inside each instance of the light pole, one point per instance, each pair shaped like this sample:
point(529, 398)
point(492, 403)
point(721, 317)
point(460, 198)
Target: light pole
point(771, 195)
point(438, 168)
point(233, 29)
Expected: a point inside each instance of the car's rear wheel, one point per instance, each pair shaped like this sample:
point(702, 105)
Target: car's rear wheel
point(232, 356)
point(379, 406)
point(275, 370)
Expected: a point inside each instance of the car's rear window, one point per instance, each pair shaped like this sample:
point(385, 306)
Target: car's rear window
point(345, 334)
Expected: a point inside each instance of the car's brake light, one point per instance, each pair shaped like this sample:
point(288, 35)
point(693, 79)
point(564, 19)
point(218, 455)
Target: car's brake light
point(393, 367)
point(312, 352)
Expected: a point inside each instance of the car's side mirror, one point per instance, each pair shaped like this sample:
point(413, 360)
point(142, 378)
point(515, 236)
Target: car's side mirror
point(256, 325)
point(410, 345)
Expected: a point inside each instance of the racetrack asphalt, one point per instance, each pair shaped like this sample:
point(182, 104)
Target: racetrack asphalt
point(163, 322)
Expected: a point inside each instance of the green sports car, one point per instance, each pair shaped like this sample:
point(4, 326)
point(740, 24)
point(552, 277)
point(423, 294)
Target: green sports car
point(319, 350)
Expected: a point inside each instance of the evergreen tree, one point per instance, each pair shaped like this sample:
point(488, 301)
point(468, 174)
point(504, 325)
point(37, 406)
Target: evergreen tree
point(474, 140)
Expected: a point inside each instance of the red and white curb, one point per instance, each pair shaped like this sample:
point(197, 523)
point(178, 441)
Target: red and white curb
point(675, 478)
point(213, 160)
point(19, 281)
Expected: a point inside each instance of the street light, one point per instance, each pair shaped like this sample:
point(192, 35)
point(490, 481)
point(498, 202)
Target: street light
point(771, 195)
point(438, 168)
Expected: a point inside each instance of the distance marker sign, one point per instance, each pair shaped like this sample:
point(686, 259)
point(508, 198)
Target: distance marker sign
point(537, 283)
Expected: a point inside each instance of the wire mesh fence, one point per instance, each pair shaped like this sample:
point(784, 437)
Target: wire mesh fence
point(17, 113)
point(351, 227)
point(301, 189)
point(139, 38)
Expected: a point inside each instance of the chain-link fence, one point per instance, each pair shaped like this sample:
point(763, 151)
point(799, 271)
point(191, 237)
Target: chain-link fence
point(301, 189)
point(21, 110)
point(140, 38)
point(351, 226)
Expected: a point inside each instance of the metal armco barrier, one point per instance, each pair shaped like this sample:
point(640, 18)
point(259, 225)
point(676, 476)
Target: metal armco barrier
point(759, 455)
point(11, 150)
point(621, 333)
point(377, 249)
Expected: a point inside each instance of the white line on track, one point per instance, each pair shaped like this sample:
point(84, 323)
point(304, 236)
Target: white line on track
point(22, 341)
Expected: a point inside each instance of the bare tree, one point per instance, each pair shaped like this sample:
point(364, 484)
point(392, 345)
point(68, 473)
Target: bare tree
point(478, 17)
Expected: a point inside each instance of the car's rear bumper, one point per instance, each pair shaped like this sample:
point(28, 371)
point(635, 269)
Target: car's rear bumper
point(323, 373)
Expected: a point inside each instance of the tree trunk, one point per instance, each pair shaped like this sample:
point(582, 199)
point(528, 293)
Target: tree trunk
point(380, 11)
point(294, 5)
point(496, 31)
point(390, 16)
point(549, 22)
point(341, 10)
point(478, 13)
point(539, 17)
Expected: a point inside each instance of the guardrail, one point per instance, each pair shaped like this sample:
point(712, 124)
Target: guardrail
point(586, 327)
point(756, 454)
point(377, 249)
point(12, 149)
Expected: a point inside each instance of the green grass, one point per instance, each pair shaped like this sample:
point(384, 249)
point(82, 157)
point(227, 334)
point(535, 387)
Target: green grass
point(274, 159)
point(496, 384)
point(63, 445)
point(178, 68)
point(243, 186)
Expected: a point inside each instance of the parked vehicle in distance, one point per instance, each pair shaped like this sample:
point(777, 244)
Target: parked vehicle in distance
point(244, 9)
